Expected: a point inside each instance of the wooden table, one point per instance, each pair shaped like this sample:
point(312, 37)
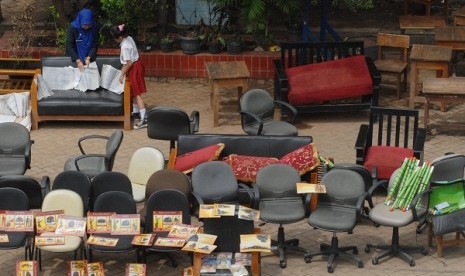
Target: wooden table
point(442, 89)
point(429, 57)
point(451, 36)
point(226, 74)
point(427, 4)
point(459, 16)
point(420, 22)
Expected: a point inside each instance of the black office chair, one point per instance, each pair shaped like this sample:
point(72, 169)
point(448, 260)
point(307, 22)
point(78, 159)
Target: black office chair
point(338, 210)
point(14, 199)
point(15, 149)
point(35, 190)
point(279, 203)
point(120, 203)
point(92, 163)
point(167, 123)
point(257, 109)
point(165, 200)
point(109, 181)
point(75, 181)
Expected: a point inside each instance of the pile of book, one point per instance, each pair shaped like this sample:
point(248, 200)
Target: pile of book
point(226, 263)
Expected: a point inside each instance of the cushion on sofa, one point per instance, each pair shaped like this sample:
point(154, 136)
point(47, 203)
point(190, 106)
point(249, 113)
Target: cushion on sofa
point(245, 167)
point(188, 161)
point(387, 159)
point(332, 80)
point(303, 159)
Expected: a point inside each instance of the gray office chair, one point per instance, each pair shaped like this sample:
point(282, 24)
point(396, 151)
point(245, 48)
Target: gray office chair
point(338, 210)
point(383, 215)
point(15, 149)
point(93, 164)
point(257, 114)
point(280, 204)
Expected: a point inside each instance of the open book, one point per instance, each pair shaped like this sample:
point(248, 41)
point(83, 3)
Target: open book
point(72, 78)
point(110, 79)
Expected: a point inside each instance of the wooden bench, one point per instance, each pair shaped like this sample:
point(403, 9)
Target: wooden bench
point(444, 90)
point(19, 72)
point(420, 22)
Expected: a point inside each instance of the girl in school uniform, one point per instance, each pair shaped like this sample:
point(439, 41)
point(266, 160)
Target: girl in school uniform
point(134, 68)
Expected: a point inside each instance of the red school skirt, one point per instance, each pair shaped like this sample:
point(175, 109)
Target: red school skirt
point(136, 78)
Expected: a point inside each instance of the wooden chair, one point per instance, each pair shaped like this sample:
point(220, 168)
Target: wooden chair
point(393, 65)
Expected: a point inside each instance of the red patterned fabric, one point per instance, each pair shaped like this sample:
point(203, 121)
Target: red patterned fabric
point(386, 159)
point(188, 161)
point(331, 80)
point(246, 167)
point(303, 159)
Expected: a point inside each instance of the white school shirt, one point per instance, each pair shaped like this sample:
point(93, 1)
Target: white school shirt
point(128, 50)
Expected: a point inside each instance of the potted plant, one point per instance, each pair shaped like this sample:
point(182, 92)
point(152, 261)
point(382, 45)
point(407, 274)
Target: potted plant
point(150, 42)
point(167, 44)
point(234, 45)
point(215, 42)
point(191, 40)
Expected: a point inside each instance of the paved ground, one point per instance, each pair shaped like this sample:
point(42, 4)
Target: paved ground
point(334, 135)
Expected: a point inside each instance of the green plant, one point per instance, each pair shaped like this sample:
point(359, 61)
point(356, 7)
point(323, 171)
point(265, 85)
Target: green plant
point(24, 30)
point(167, 39)
point(61, 33)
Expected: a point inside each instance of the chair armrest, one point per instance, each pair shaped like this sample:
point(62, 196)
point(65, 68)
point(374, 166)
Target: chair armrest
point(249, 191)
point(256, 192)
point(307, 204)
point(290, 108)
point(361, 143)
point(375, 187)
point(195, 121)
point(45, 185)
point(360, 203)
point(256, 118)
point(84, 156)
point(82, 139)
point(27, 153)
point(419, 145)
point(419, 214)
point(34, 104)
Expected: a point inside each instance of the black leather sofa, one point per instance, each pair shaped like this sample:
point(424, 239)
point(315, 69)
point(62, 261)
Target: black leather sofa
point(74, 105)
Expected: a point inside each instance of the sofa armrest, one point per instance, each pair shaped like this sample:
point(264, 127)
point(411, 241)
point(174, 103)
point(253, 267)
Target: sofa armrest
point(280, 81)
point(127, 105)
point(361, 143)
point(34, 108)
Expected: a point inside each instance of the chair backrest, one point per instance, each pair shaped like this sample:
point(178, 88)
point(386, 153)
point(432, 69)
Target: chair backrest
point(343, 188)
point(13, 199)
point(393, 127)
point(214, 182)
point(112, 146)
point(75, 181)
point(448, 167)
point(62, 199)
point(168, 179)
point(364, 172)
point(258, 102)
point(14, 139)
point(115, 201)
point(167, 200)
point(28, 185)
point(167, 123)
point(109, 181)
point(277, 181)
point(144, 162)
point(401, 42)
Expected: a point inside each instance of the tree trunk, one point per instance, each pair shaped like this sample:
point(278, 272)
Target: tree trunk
point(63, 18)
point(163, 17)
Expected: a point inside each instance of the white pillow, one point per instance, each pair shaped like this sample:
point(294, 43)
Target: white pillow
point(43, 91)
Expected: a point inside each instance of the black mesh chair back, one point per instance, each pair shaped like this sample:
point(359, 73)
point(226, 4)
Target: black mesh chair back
point(75, 181)
point(109, 181)
point(31, 187)
point(15, 149)
point(214, 182)
point(13, 199)
point(167, 200)
point(115, 201)
point(448, 168)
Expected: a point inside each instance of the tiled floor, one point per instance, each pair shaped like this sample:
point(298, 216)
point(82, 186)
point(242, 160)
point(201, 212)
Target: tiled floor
point(334, 135)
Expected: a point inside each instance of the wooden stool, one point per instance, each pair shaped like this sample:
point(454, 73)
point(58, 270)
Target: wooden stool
point(429, 57)
point(226, 74)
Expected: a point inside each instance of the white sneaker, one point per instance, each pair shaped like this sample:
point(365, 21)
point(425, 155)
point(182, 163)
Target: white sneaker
point(141, 124)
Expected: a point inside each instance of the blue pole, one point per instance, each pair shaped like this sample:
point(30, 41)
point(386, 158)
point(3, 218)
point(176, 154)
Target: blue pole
point(306, 33)
point(324, 26)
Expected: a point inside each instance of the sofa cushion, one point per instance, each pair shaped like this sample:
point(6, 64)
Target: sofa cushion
point(245, 167)
point(303, 159)
point(332, 80)
point(188, 161)
point(386, 159)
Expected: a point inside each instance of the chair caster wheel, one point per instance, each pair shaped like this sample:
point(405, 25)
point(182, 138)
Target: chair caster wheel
point(367, 249)
point(355, 251)
point(330, 269)
point(360, 265)
point(308, 259)
point(412, 263)
point(424, 251)
point(375, 261)
point(282, 264)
